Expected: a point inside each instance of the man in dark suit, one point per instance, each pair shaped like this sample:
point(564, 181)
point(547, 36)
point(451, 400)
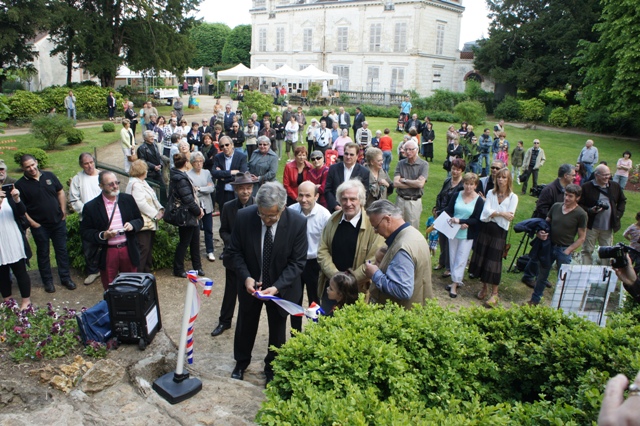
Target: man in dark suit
point(268, 251)
point(226, 165)
point(149, 153)
point(357, 120)
point(111, 220)
point(243, 187)
point(205, 128)
point(228, 118)
point(413, 122)
point(339, 172)
point(344, 119)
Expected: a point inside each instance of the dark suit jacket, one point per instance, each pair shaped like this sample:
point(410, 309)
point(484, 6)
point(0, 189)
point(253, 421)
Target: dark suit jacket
point(336, 177)
point(223, 176)
point(357, 121)
point(289, 254)
point(347, 120)
point(227, 220)
point(95, 219)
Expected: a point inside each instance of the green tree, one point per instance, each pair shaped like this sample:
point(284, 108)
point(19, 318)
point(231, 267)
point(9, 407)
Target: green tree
point(531, 42)
point(237, 48)
point(143, 34)
point(208, 41)
point(66, 16)
point(610, 64)
point(20, 21)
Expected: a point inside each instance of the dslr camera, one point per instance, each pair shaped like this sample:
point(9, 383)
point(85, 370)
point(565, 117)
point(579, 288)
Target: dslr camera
point(618, 253)
point(601, 205)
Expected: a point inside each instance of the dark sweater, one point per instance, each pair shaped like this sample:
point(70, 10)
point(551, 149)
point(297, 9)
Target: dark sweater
point(343, 246)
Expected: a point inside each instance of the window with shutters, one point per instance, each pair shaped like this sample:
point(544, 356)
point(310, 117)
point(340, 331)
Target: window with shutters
point(373, 79)
point(280, 39)
point(440, 39)
point(343, 39)
point(397, 80)
point(375, 34)
point(307, 40)
point(400, 38)
point(343, 76)
point(262, 40)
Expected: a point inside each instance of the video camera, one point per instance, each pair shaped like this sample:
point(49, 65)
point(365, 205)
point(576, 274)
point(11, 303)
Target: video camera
point(601, 205)
point(536, 190)
point(618, 253)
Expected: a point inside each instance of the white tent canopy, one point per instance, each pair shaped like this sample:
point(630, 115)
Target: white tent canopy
point(287, 72)
point(314, 74)
point(125, 72)
point(194, 73)
point(234, 73)
point(262, 71)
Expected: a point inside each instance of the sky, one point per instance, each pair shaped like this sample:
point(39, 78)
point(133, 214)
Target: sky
point(475, 23)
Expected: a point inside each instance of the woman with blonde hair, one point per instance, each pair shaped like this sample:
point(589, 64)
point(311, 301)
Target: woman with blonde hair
point(150, 209)
point(497, 214)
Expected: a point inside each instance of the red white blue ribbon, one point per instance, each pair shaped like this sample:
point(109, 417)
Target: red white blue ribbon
point(207, 285)
point(312, 312)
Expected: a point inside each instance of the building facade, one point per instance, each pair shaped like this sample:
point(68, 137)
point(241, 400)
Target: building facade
point(374, 46)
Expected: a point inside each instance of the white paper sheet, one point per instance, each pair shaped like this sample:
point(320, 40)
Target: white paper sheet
point(444, 225)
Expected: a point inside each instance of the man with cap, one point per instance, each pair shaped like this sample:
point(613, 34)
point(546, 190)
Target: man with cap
point(4, 178)
point(243, 188)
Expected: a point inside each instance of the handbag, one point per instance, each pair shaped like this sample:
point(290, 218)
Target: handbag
point(507, 246)
point(176, 213)
point(133, 157)
point(447, 165)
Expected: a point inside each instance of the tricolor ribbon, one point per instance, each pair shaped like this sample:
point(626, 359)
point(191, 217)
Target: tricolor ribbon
point(207, 285)
point(312, 312)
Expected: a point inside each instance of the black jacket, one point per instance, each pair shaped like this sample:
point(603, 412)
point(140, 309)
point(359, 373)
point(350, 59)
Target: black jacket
point(150, 154)
point(227, 220)
point(551, 194)
point(617, 200)
point(336, 176)
point(236, 137)
point(446, 193)
point(540, 250)
point(221, 174)
point(182, 190)
point(474, 221)
point(95, 219)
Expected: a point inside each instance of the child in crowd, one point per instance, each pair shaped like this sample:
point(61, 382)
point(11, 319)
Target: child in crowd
point(517, 157)
point(633, 235)
point(503, 155)
point(432, 233)
point(343, 289)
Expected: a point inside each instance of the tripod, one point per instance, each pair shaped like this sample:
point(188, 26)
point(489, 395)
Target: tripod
point(523, 242)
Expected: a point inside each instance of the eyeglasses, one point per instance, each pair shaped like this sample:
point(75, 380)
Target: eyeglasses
point(375, 227)
point(225, 144)
point(268, 216)
point(115, 183)
point(316, 158)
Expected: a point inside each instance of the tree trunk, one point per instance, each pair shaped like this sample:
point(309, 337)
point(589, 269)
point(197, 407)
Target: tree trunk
point(69, 66)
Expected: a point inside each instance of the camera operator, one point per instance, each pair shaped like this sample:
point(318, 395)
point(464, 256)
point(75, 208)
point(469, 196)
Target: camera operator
point(604, 202)
point(551, 194)
point(566, 219)
point(629, 278)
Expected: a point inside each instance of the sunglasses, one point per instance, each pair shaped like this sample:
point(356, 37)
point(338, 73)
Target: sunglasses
point(316, 158)
point(225, 144)
point(495, 168)
point(263, 144)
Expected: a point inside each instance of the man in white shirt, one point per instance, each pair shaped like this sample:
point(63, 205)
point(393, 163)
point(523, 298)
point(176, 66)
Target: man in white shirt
point(84, 188)
point(317, 217)
point(323, 138)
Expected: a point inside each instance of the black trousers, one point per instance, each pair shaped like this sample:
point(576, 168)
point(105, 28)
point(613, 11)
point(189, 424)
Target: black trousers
point(533, 172)
point(224, 196)
point(189, 237)
point(19, 269)
point(229, 298)
point(249, 309)
point(309, 279)
point(145, 246)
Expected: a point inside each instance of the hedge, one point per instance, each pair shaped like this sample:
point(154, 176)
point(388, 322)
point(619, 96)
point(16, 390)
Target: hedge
point(388, 112)
point(25, 105)
point(385, 365)
point(40, 155)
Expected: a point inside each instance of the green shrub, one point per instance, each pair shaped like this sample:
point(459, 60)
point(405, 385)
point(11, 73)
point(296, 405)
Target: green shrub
point(577, 115)
point(164, 246)
point(601, 121)
point(385, 365)
point(257, 102)
point(531, 109)
point(344, 98)
point(474, 91)
point(108, 127)
point(25, 105)
point(10, 86)
point(5, 111)
point(559, 117)
point(441, 100)
point(40, 155)
point(554, 97)
point(508, 109)
point(472, 112)
point(314, 90)
point(75, 136)
point(50, 129)
point(91, 101)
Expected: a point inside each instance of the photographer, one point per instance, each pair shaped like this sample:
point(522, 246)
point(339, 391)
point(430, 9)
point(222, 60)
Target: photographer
point(566, 219)
point(629, 278)
point(604, 202)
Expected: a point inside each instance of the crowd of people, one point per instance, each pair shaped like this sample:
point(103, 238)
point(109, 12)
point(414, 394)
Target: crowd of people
point(327, 227)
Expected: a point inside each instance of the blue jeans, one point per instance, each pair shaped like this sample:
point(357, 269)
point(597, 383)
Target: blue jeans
point(557, 255)
point(386, 158)
point(207, 226)
point(531, 270)
point(621, 180)
point(71, 112)
point(475, 167)
point(589, 169)
point(484, 159)
point(57, 233)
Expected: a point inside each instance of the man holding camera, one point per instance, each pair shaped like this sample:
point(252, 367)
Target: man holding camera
point(111, 221)
point(566, 219)
point(604, 202)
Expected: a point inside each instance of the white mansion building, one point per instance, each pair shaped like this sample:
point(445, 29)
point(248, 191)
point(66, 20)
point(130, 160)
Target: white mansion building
point(378, 46)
